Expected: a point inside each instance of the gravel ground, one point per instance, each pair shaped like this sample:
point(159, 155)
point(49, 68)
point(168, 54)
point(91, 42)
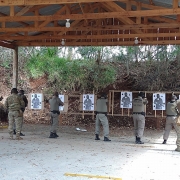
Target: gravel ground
point(37, 157)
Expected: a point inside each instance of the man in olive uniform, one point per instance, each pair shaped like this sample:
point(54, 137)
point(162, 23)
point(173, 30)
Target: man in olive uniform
point(139, 116)
point(171, 115)
point(21, 94)
point(177, 126)
point(101, 116)
point(54, 103)
point(13, 105)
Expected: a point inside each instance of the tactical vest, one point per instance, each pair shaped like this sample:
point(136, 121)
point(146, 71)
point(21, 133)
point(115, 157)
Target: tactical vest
point(55, 102)
point(170, 109)
point(178, 104)
point(101, 105)
point(138, 105)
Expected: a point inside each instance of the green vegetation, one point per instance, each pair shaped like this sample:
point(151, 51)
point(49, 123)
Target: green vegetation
point(70, 75)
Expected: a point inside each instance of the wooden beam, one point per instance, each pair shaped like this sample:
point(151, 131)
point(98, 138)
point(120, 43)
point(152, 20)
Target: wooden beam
point(175, 4)
point(98, 36)
point(95, 43)
point(11, 10)
point(57, 13)
point(36, 23)
point(76, 27)
point(42, 2)
point(7, 45)
point(143, 13)
point(138, 19)
point(128, 5)
point(23, 11)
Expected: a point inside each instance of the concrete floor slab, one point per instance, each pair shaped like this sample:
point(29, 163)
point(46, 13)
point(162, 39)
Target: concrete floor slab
point(37, 157)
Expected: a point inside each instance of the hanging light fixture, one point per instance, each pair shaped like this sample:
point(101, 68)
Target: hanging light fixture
point(136, 40)
point(68, 23)
point(62, 42)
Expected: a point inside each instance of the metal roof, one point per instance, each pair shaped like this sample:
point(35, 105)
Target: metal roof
point(92, 23)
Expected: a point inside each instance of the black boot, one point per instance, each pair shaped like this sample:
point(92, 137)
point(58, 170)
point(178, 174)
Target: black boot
point(97, 137)
point(136, 139)
point(56, 135)
point(14, 132)
point(165, 141)
point(106, 139)
point(139, 141)
point(52, 135)
point(21, 134)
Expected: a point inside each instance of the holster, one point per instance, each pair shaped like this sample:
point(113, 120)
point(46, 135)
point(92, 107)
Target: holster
point(105, 113)
point(143, 113)
point(55, 112)
point(20, 113)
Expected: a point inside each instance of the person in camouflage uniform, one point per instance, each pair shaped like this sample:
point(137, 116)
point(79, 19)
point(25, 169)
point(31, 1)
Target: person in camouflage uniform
point(21, 94)
point(13, 105)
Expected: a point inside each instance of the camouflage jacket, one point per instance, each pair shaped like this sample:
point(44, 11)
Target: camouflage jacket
point(14, 103)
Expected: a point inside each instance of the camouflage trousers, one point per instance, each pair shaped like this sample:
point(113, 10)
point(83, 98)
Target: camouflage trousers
point(178, 136)
point(54, 122)
point(14, 128)
point(104, 121)
point(14, 117)
point(139, 123)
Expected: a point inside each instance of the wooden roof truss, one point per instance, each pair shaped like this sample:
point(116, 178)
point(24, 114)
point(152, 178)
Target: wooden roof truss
point(93, 23)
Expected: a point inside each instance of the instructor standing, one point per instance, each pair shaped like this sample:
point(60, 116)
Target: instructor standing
point(139, 116)
point(101, 116)
point(54, 103)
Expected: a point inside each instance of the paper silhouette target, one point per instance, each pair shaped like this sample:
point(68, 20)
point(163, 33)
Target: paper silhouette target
point(88, 102)
point(36, 101)
point(159, 100)
point(126, 100)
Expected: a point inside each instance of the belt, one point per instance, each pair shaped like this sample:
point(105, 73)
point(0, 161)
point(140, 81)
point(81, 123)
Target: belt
point(55, 112)
point(136, 113)
point(101, 112)
point(170, 115)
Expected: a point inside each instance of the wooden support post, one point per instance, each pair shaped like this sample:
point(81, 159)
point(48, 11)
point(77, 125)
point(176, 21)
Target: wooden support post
point(60, 119)
point(15, 68)
point(83, 110)
point(157, 123)
point(94, 106)
point(112, 102)
point(122, 111)
point(109, 100)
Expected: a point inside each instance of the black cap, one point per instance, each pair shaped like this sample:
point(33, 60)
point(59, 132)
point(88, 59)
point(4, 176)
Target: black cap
point(21, 91)
point(14, 90)
point(141, 94)
point(103, 94)
point(56, 94)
